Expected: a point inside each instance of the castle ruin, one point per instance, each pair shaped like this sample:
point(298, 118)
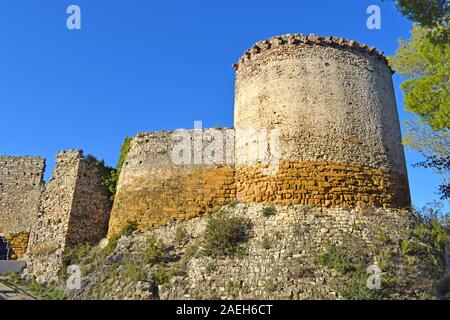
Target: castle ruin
point(339, 145)
point(330, 100)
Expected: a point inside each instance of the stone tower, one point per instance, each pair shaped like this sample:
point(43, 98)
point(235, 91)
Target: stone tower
point(332, 103)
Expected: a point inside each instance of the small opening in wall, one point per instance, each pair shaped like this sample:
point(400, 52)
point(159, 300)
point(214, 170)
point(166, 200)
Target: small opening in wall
point(4, 249)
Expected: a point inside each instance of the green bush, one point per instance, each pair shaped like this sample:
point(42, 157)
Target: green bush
point(105, 171)
point(154, 251)
point(132, 271)
point(266, 242)
point(162, 275)
point(180, 235)
point(350, 259)
point(340, 258)
point(225, 235)
point(110, 181)
point(73, 256)
point(269, 211)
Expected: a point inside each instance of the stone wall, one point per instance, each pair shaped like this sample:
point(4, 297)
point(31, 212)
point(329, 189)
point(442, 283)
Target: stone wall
point(322, 183)
point(153, 190)
point(91, 207)
point(18, 243)
point(280, 260)
point(21, 185)
point(75, 209)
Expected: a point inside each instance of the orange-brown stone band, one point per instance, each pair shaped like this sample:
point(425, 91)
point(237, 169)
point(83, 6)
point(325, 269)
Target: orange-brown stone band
point(322, 183)
point(18, 243)
point(152, 201)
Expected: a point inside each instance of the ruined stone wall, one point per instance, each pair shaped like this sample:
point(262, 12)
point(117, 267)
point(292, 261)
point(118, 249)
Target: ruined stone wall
point(21, 185)
point(153, 190)
point(91, 207)
point(74, 210)
point(332, 102)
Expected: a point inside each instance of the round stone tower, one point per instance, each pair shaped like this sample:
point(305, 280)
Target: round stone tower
point(316, 123)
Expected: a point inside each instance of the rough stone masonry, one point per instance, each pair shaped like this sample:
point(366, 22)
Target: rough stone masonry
point(41, 221)
point(330, 100)
point(21, 185)
point(339, 145)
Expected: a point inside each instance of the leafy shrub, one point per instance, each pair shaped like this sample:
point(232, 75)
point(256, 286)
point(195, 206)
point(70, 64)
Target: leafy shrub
point(266, 242)
point(180, 235)
point(73, 256)
point(350, 259)
point(162, 275)
point(269, 211)
point(154, 251)
point(110, 181)
point(105, 171)
point(132, 271)
point(225, 235)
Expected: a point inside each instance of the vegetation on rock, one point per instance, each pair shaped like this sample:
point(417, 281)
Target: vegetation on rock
point(112, 179)
point(224, 235)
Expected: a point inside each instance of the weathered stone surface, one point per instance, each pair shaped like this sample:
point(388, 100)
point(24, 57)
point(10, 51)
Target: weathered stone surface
point(75, 209)
point(322, 183)
point(315, 123)
point(287, 268)
point(154, 191)
point(279, 260)
point(329, 104)
point(21, 185)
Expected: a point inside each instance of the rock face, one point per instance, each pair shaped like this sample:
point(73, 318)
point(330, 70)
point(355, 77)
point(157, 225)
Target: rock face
point(279, 261)
point(75, 209)
point(21, 185)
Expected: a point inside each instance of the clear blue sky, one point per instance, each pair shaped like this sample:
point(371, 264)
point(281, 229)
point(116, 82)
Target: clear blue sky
point(149, 65)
